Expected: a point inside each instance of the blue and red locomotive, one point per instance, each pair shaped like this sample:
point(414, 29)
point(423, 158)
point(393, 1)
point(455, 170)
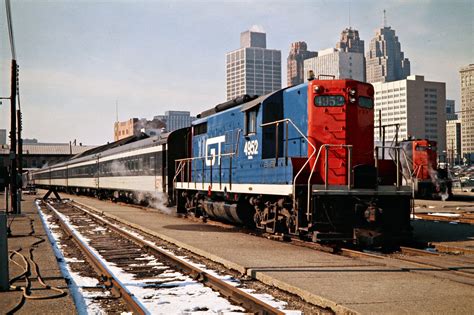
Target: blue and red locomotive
point(297, 161)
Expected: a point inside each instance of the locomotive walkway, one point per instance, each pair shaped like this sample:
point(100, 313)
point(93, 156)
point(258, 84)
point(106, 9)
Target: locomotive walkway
point(28, 233)
point(346, 285)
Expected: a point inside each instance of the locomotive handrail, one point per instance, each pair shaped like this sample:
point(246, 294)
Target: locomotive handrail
point(410, 173)
point(184, 161)
point(325, 146)
point(202, 157)
point(397, 156)
point(326, 170)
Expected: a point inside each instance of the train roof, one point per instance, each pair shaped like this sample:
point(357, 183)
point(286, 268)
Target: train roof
point(245, 102)
point(127, 144)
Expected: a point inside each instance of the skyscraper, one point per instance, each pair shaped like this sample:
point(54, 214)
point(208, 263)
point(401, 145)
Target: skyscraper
point(385, 61)
point(295, 62)
point(350, 41)
point(253, 69)
point(467, 112)
point(450, 110)
point(340, 64)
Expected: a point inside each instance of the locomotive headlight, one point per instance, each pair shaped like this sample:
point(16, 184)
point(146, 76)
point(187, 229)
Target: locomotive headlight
point(352, 99)
point(352, 92)
point(318, 89)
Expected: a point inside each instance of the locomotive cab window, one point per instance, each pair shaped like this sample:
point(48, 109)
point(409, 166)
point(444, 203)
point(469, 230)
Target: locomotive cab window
point(200, 129)
point(424, 148)
point(329, 100)
point(251, 121)
point(366, 102)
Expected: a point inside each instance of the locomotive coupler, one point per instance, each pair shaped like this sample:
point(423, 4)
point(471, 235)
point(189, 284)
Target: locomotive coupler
point(371, 213)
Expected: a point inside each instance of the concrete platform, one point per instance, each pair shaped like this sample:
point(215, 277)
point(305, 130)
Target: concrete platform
point(27, 229)
point(346, 285)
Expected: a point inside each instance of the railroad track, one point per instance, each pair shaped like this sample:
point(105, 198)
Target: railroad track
point(464, 217)
point(104, 244)
point(456, 268)
point(447, 268)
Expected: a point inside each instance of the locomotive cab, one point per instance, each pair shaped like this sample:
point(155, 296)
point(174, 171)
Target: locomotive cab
point(340, 121)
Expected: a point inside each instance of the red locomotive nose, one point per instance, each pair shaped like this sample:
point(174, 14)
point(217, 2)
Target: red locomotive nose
point(340, 119)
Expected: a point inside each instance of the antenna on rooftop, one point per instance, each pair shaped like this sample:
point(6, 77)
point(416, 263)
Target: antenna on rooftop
point(384, 19)
point(350, 14)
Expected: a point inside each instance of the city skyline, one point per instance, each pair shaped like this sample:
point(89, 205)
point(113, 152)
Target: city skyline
point(77, 59)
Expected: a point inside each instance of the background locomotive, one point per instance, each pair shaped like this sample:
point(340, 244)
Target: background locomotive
point(297, 161)
point(429, 180)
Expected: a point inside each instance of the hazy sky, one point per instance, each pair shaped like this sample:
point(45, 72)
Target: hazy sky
point(78, 57)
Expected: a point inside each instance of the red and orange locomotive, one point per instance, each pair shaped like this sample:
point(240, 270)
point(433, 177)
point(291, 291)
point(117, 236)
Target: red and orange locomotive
point(429, 180)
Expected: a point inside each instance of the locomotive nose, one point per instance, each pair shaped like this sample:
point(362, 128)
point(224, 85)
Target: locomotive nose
point(340, 127)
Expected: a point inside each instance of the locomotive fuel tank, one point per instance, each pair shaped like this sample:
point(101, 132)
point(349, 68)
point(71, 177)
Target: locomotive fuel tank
point(231, 212)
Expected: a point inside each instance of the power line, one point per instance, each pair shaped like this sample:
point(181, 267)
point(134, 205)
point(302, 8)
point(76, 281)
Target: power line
point(10, 28)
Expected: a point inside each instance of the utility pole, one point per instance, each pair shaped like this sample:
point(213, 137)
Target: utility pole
point(13, 143)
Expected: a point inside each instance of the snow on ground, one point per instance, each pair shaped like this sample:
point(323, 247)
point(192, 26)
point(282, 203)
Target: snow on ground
point(170, 292)
point(191, 296)
point(227, 278)
point(85, 301)
point(445, 214)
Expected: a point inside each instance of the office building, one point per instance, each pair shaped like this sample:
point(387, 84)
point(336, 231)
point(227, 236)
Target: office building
point(416, 105)
point(340, 64)
point(295, 62)
point(176, 119)
point(451, 110)
point(453, 141)
point(385, 61)
point(135, 126)
point(3, 136)
point(253, 69)
point(467, 112)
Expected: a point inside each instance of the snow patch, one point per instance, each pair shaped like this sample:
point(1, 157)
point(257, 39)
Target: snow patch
point(445, 214)
point(83, 300)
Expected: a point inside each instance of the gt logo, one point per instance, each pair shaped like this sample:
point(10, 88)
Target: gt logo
point(211, 145)
point(251, 148)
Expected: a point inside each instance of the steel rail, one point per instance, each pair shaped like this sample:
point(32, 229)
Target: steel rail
point(418, 252)
point(234, 294)
point(430, 266)
point(104, 273)
point(460, 219)
point(450, 249)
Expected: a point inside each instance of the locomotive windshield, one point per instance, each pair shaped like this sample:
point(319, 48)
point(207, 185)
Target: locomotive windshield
point(329, 100)
point(425, 148)
point(366, 102)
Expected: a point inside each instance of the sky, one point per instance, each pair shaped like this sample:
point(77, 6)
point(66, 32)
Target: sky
point(78, 59)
